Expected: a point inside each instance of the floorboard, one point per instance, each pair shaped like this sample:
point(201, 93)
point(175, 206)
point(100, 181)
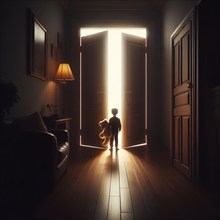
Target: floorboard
point(126, 184)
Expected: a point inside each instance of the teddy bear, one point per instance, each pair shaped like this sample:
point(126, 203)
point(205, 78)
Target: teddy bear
point(106, 132)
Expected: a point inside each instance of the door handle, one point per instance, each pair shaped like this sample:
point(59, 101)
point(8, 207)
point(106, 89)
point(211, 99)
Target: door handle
point(189, 85)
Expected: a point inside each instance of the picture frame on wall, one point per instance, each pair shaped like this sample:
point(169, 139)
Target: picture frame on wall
point(60, 45)
point(53, 52)
point(37, 48)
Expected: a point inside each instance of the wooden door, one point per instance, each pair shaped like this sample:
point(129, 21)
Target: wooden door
point(133, 91)
point(93, 87)
point(183, 73)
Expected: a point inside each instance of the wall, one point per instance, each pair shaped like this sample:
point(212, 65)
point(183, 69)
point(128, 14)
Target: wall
point(34, 93)
point(173, 13)
point(209, 81)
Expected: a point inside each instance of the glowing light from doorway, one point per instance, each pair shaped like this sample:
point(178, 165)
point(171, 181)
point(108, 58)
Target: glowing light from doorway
point(114, 69)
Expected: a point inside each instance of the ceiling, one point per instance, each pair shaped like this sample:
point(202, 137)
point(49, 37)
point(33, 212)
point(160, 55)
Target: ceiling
point(112, 4)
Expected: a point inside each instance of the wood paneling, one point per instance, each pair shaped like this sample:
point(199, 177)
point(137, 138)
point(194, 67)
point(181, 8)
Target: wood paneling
point(183, 99)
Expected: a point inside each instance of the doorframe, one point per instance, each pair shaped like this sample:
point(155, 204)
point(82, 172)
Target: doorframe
point(190, 17)
point(146, 74)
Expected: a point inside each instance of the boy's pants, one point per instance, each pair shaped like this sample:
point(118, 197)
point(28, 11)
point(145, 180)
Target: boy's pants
point(114, 137)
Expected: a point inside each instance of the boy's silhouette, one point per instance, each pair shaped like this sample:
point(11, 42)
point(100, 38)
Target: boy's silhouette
point(115, 126)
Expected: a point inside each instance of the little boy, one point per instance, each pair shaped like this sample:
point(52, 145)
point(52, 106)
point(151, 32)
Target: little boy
point(115, 126)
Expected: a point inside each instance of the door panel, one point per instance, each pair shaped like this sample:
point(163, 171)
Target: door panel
point(93, 87)
point(176, 143)
point(177, 72)
point(133, 120)
point(185, 57)
point(182, 99)
point(185, 141)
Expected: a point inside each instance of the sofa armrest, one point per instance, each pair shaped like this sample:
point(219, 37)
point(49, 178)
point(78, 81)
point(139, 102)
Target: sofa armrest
point(38, 144)
point(61, 135)
point(41, 139)
point(36, 157)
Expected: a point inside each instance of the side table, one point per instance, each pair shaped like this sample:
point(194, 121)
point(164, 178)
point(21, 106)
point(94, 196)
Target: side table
point(60, 123)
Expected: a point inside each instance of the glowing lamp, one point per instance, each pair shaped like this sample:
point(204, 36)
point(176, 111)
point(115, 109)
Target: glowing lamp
point(64, 73)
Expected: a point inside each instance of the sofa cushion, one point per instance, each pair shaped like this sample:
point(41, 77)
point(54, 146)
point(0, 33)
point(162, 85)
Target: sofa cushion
point(32, 122)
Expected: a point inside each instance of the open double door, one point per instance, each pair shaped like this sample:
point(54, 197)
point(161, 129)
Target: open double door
point(94, 89)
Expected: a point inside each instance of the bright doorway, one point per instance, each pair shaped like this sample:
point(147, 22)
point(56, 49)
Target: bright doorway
point(114, 69)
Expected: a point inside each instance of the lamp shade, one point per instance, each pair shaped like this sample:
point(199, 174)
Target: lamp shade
point(64, 73)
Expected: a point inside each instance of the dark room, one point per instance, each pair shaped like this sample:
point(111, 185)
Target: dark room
point(110, 109)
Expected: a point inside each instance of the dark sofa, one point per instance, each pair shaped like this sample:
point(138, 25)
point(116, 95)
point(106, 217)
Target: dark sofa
point(33, 160)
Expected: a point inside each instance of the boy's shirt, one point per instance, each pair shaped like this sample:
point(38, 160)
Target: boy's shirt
point(115, 124)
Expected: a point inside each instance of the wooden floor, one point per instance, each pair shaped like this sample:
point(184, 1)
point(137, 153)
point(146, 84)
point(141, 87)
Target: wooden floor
point(126, 184)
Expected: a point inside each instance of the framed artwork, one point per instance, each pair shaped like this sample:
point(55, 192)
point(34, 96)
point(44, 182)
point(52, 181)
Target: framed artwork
point(60, 45)
point(37, 48)
point(53, 52)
